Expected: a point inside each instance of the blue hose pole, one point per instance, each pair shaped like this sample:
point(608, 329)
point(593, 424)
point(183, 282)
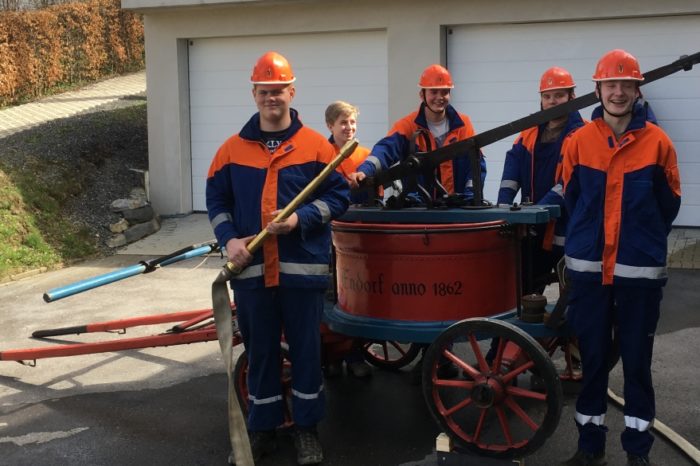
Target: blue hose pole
point(93, 282)
point(126, 272)
point(200, 251)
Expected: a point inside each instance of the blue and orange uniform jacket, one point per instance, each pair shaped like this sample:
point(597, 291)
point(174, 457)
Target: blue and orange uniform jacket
point(246, 183)
point(556, 237)
point(455, 175)
point(535, 175)
point(350, 165)
point(622, 197)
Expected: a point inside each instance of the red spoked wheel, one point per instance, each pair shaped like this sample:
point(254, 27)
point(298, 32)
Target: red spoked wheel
point(507, 400)
point(564, 352)
point(391, 355)
point(240, 379)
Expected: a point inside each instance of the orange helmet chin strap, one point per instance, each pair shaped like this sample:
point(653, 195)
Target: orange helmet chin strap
point(617, 115)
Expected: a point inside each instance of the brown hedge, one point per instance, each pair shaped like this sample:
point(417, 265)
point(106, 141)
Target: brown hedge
point(66, 44)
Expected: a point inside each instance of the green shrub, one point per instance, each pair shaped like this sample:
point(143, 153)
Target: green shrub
point(65, 45)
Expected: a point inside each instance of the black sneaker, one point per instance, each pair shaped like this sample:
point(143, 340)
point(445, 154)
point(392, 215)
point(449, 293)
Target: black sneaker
point(359, 369)
point(262, 443)
point(634, 460)
point(308, 447)
point(584, 458)
point(446, 370)
point(333, 369)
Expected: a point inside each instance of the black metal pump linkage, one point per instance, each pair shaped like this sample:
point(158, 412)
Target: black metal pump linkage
point(426, 161)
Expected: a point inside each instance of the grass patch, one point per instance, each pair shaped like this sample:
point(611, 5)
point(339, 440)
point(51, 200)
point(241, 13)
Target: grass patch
point(22, 244)
point(33, 233)
point(42, 170)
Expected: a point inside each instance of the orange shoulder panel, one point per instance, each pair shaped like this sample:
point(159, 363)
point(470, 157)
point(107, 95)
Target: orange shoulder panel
point(350, 164)
point(405, 125)
point(593, 141)
point(239, 151)
point(468, 127)
point(305, 146)
point(652, 147)
point(569, 156)
point(528, 138)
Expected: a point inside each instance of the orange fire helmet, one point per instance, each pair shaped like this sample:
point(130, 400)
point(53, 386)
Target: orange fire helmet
point(617, 64)
point(272, 68)
point(556, 78)
point(435, 77)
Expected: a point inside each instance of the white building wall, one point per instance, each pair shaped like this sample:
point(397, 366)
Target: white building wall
point(415, 38)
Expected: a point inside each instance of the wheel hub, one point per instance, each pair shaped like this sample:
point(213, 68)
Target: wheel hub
point(487, 393)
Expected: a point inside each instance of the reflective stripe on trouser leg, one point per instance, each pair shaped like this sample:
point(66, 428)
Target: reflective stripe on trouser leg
point(260, 323)
point(590, 314)
point(637, 317)
point(302, 309)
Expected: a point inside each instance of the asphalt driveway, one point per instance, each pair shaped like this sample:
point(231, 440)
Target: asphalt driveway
point(167, 405)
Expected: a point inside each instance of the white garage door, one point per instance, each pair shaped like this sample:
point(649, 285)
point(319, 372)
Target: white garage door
point(497, 70)
point(347, 66)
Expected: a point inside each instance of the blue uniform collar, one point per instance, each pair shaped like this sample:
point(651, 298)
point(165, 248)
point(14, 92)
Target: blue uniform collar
point(251, 130)
point(573, 121)
point(454, 121)
point(640, 115)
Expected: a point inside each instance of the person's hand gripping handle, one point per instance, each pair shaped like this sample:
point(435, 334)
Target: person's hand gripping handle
point(246, 247)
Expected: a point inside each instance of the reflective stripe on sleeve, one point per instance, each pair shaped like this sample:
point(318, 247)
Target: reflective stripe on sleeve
point(221, 218)
point(558, 189)
point(510, 184)
point(374, 161)
point(323, 209)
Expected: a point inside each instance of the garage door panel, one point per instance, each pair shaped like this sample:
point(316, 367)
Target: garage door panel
point(675, 87)
point(690, 210)
point(682, 132)
point(212, 132)
point(373, 114)
point(220, 97)
point(496, 113)
point(210, 119)
point(217, 79)
point(690, 171)
point(209, 147)
point(220, 91)
point(496, 91)
point(688, 216)
point(362, 76)
point(323, 95)
point(692, 193)
point(494, 72)
point(199, 184)
point(676, 111)
point(496, 69)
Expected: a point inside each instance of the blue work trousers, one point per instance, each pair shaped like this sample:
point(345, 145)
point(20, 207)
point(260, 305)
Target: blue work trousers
point(263, 315)
point(593, 311)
